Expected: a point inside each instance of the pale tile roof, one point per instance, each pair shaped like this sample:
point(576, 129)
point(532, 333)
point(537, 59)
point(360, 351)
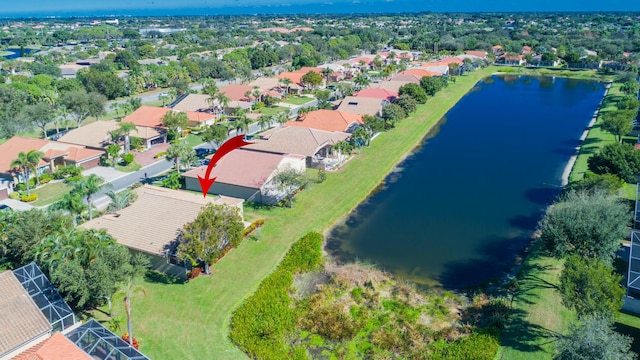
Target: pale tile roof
point(377, 93)
point(152, 223)
point(20, 318)
point(151, 116)
point(392, 85)
point(297, 140)
point(96, 134)
point(236, 92)
point(327, 120)
point(194, 102)
point(361, 105)
point(251, 169)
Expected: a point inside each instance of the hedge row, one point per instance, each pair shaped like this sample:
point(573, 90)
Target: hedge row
point(260, 324)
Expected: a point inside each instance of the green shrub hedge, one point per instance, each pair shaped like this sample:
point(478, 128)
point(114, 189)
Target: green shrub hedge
point(260, 324)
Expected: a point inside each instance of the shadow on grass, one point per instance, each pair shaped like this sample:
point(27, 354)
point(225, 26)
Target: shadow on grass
point(524, 336)
point(630, 331)
point(162, 278)
point(257, 206)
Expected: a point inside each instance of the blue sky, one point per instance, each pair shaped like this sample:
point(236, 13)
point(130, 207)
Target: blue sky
point(169, 7)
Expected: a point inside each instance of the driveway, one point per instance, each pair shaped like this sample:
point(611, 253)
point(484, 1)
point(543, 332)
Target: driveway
point(107, 173)
point(147, 157)
point(16, 204)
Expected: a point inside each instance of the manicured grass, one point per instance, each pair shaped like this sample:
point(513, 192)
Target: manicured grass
point(270, 111)
point(193, 140)
point(538, 313)
point(50, 193)
point(188, 321)
point(134, 166)
point(297, 100)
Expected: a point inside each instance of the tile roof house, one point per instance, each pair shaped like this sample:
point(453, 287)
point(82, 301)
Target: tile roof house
point(312, 143)
point(236, 92)
point(328, 120)
point(391, 85)
point(407, 78)
point(377, 93)
point(57, 347)
point(55, 154)
point(420, 73)
point(477, 53)
point(152, 224)
point(249, 175)
point(362, 105)
point(96, 135)
point(194, 102)
point(22, 324)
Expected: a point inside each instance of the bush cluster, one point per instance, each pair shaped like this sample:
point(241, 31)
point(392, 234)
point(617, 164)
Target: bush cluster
point(254, 225)
point(259, 325)
point(29, 198)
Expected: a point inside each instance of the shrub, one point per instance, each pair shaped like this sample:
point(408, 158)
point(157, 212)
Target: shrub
point(194, 273)
point(160, 154)
point(45, 178)
point(254, 225)
point(259, 325)
point(29, 198)
point(14, 195)
point(73, 178)
point(135, 142)
point(21, 187)
point(134, 342)
point(128, 158)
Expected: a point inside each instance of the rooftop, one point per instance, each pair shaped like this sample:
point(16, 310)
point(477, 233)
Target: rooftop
point(56, 347)
point(21, 320)
point(296, 140)
point(361, 105)
point(328, 120)
point(152, 223)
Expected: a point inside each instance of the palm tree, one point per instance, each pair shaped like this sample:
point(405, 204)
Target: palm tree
point(281, 118)
point(89, 186)
point(126, 128)
point(286, 82)
point(223, 100)
point(27, 162)
point(139, 267)
point(72, 203)
point(116, 106)
point(120, 200)
point(242, 124)
point(361, 81)
point(177, 151)
point(264, 121)
point(326, 72)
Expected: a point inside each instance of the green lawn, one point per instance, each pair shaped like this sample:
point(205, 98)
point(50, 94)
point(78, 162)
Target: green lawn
point(134, 166)
point(187, 321)
point(50, 193)
point(538, 313)
point(193, 140)
point(270, 111)
point(297, 100)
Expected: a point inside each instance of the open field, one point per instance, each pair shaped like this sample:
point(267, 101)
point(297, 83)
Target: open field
point(184, 321)
point(538, 314)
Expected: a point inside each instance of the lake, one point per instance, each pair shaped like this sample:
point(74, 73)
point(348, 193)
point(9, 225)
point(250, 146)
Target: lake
point(459, 210)
point(16, 53)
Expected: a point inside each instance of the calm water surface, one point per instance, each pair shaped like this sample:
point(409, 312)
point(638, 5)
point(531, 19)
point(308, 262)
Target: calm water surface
point(458, 211)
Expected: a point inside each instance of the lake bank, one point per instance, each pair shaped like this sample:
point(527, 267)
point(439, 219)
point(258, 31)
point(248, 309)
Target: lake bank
point(207, 303)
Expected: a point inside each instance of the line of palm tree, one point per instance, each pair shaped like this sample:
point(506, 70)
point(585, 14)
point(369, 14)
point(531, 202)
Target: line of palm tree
point(87, 187)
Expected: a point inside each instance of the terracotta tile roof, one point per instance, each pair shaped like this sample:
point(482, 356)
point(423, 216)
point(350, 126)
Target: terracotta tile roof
point(151, 116)
point(295, 77)
point(327, 120)
point(21, 320)
point(151, 224)
point(420, 72)
point(478, 53)
point(250, 169)
point(236, 92)
point(361, 105)
point(12, 147)
point(56, 347)
point(296, 140)
point(377, 93)
point(80, 154)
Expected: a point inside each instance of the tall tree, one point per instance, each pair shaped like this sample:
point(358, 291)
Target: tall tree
point(593, 338)
point(176, 122)
point(617, 158)
point(205, 239)
point(139, 266)
point(619, 122)
point(289, 180)
point(215, 134)
point(415, 91)
point(39, 114)
point(72, 203)
point(82, 104)
point(588, 224)
point(126, 128)
point(589, 287)
point(178, 151)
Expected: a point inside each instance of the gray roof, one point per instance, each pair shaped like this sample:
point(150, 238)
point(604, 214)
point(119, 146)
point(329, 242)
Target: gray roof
point(20, 318)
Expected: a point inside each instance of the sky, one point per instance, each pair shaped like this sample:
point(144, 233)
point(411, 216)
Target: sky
point(37, 8)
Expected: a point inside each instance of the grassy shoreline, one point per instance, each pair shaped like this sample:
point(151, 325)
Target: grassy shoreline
point(207, 303)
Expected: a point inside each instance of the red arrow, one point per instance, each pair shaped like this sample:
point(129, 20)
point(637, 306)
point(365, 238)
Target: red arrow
point(231, 144)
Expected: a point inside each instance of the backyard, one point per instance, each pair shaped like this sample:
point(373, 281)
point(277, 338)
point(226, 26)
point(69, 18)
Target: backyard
point(167, 315)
